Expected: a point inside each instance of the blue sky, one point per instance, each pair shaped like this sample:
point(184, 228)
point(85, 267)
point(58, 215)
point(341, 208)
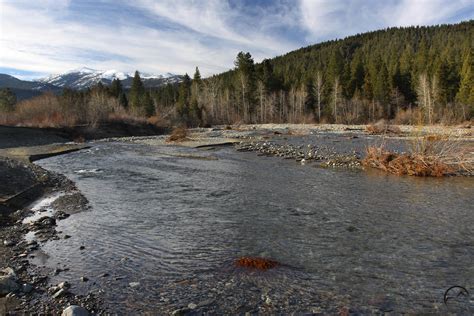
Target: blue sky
point(39, 37)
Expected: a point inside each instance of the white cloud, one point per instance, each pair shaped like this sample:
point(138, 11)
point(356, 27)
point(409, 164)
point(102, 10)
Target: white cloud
point(422, 12)
point(326, 19)
point(47, 36)
point(38, 38)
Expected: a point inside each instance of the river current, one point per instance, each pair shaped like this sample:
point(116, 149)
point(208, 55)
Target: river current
point(166, 230)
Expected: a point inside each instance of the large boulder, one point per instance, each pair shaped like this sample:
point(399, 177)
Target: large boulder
point(8, 281)
point(75, 310)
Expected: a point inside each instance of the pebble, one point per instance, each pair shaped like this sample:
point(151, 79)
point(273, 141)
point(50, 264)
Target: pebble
point(75, 310)
point(134, 284)
point(192, 306)
point(8, 243)
point(27, 288)
point(179, 312)
point(84, 279)
point(303, 154)
point(59, 293)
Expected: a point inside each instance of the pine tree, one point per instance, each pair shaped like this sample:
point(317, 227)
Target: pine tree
point(184, 99)
point(137, 93)
point(382, 89)
point(246, 83)
point(148, 105)
point(466, 89)
point(116, 88)
point(123, 100)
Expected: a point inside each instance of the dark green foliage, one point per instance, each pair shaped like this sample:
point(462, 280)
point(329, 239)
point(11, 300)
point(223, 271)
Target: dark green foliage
point(376, 74)
point(184, 99)
point(116, 88)
point(7, 100)
point(148, 105)
point(245, 84)
point(466, 89)
point(137, 93)
point(123, 100)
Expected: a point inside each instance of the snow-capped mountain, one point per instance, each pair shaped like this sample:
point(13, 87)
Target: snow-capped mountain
point(86, 77)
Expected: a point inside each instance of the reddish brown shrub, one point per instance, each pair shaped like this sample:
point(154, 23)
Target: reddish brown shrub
point(178, 134)
point(256, 263)
point(406, 164)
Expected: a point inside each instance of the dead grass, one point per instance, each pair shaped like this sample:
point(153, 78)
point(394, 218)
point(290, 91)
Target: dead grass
point(49, 110)
point(256, 263)
point(405, 164)
point(381, 128)
point(429, 156)
point(179, 134)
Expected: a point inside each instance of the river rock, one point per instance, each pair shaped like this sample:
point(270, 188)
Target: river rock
point(60, 293)
point(8, 281)
point(45, 221)
point(26, 288)
point(64, 285)
point(180, 312)
point(192, 306)
point(75, 310)
point(8, 243)
point(61, 215)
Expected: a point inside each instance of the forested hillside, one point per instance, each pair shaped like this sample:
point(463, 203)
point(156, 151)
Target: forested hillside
point(411, 75)
point(415, 75)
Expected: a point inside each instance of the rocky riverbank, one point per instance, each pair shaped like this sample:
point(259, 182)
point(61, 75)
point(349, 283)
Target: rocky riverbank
point(309, 153)
point(25, 286)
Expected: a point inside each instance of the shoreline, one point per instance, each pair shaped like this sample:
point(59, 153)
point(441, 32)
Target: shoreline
point(25, 288)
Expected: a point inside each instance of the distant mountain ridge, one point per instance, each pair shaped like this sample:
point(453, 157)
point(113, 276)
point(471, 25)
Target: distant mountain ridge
point(24, 89)
point(86, 77)
point(79, 79)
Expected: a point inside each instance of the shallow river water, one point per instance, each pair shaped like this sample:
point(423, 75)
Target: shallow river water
point(167, 230)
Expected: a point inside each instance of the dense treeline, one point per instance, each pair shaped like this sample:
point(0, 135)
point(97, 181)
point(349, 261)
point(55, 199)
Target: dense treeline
point(412, 75)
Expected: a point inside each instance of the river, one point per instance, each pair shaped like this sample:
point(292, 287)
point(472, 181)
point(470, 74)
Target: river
point(167, 230)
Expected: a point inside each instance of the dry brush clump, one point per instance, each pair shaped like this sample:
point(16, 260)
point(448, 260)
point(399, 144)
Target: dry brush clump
point(429, 156)
point(382, 127)
point(49, 110)
point(179, 134)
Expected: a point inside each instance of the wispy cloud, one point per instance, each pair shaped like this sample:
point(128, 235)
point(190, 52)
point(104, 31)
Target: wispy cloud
point(44, 36)
point(326, 19)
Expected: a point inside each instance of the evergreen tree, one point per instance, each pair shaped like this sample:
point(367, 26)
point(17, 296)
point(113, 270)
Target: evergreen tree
point(137, 93)
point(382, 89)
point(246, 83)
point(466, 89)
point(148, 105)
point(123, 100)
point(184, 99)
point(116, 88)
